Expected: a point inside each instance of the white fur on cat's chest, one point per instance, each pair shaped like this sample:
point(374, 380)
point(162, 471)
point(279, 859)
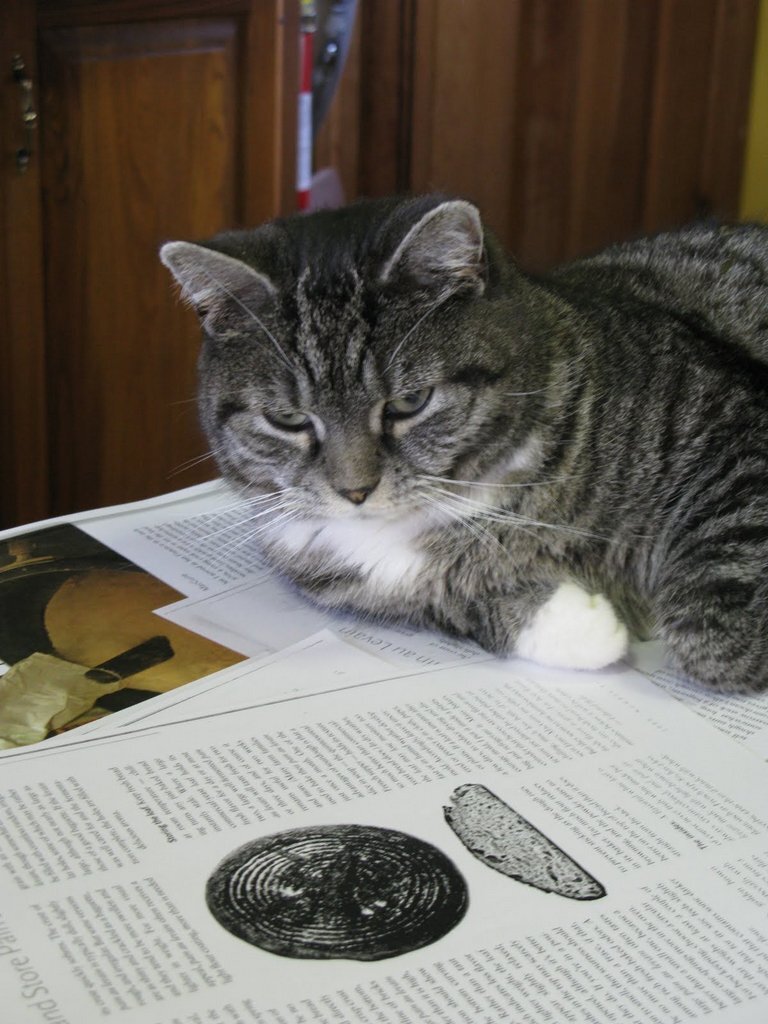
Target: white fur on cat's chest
point(384, 551)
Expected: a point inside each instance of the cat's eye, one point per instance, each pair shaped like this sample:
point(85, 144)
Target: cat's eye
point(407, 405)
point(285, 419)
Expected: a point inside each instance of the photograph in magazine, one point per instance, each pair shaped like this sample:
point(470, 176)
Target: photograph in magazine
point(79, 638)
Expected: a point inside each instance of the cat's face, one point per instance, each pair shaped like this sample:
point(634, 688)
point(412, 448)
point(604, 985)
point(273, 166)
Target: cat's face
point(352, 385)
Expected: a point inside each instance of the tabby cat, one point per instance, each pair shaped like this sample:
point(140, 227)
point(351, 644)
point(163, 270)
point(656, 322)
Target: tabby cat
point(423, 432)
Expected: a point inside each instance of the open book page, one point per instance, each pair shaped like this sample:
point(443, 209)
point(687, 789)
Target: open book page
point(603, 857)
point(199, 544)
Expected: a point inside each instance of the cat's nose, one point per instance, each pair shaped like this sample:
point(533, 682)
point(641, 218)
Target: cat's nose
point(356, 495)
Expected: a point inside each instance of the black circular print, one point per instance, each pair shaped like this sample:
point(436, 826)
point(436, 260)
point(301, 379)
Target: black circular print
point(337, 891)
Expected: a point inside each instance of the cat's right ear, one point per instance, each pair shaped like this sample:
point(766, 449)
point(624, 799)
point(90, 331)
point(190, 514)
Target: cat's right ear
point(443, 251)
point(223, 290)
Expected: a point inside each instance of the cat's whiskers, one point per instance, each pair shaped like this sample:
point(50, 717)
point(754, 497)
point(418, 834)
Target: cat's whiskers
point(198, 460)
point(458, 515)
point(536, 391)
point(477, 511)
point(247, 503)
point(561, 381)
point(287, 516)
point(247, 500)
point(256, 508)
point(497, 514)
point(277, 507)
point(485, 483)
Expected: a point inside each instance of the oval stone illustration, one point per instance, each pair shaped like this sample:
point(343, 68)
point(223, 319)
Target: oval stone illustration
point(337, 891)
point(504, 840)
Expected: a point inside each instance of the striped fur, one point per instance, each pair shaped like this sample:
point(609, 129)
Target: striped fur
point(605, 425)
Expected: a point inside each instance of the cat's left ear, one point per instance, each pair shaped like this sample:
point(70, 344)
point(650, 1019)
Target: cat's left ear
point(223, 290)
point(444, 250)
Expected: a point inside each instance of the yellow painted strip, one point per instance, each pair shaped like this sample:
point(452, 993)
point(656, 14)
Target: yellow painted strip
point(754, 190)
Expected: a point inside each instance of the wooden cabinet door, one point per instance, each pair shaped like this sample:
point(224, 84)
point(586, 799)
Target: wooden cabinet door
point(23, 425)
point(572, 123)
point(157, 121)
point(576, 123)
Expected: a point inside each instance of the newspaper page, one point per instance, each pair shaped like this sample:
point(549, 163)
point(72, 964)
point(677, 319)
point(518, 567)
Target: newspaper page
point(204, 547)
point(484, 842)
point(742, 716)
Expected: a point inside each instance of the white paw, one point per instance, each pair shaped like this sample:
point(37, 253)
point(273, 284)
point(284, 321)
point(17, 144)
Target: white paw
point(574, 629)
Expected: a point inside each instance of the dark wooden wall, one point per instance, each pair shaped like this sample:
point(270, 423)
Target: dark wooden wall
point(572, 123)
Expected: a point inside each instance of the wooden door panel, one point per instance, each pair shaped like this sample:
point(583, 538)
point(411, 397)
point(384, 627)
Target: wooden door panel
point(23, 419)
point(679, 123)
point(612, 102)
point(140, 146)
point(464, 95)
point(538, 111)
point(574, 123)
point(701, 103)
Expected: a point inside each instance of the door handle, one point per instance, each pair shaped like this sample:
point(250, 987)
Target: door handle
point(28, 112)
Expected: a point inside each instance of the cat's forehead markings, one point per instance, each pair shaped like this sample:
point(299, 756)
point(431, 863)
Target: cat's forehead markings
point(342, 293)
point(324, 307)
point(332, 330)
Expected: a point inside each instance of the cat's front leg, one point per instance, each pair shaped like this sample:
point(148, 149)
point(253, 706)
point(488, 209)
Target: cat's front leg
point(561, 625)
point(552, 621)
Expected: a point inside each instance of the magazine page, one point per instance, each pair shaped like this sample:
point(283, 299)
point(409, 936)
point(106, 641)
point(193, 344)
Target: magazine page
point(198, 542)
point(201, 544)
point(194, 539)
point(233, 687)
point(204, 547)
point(80, 635)
point(470, 844)
point(209, 553)
point(199, 497)
point(323, 663)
